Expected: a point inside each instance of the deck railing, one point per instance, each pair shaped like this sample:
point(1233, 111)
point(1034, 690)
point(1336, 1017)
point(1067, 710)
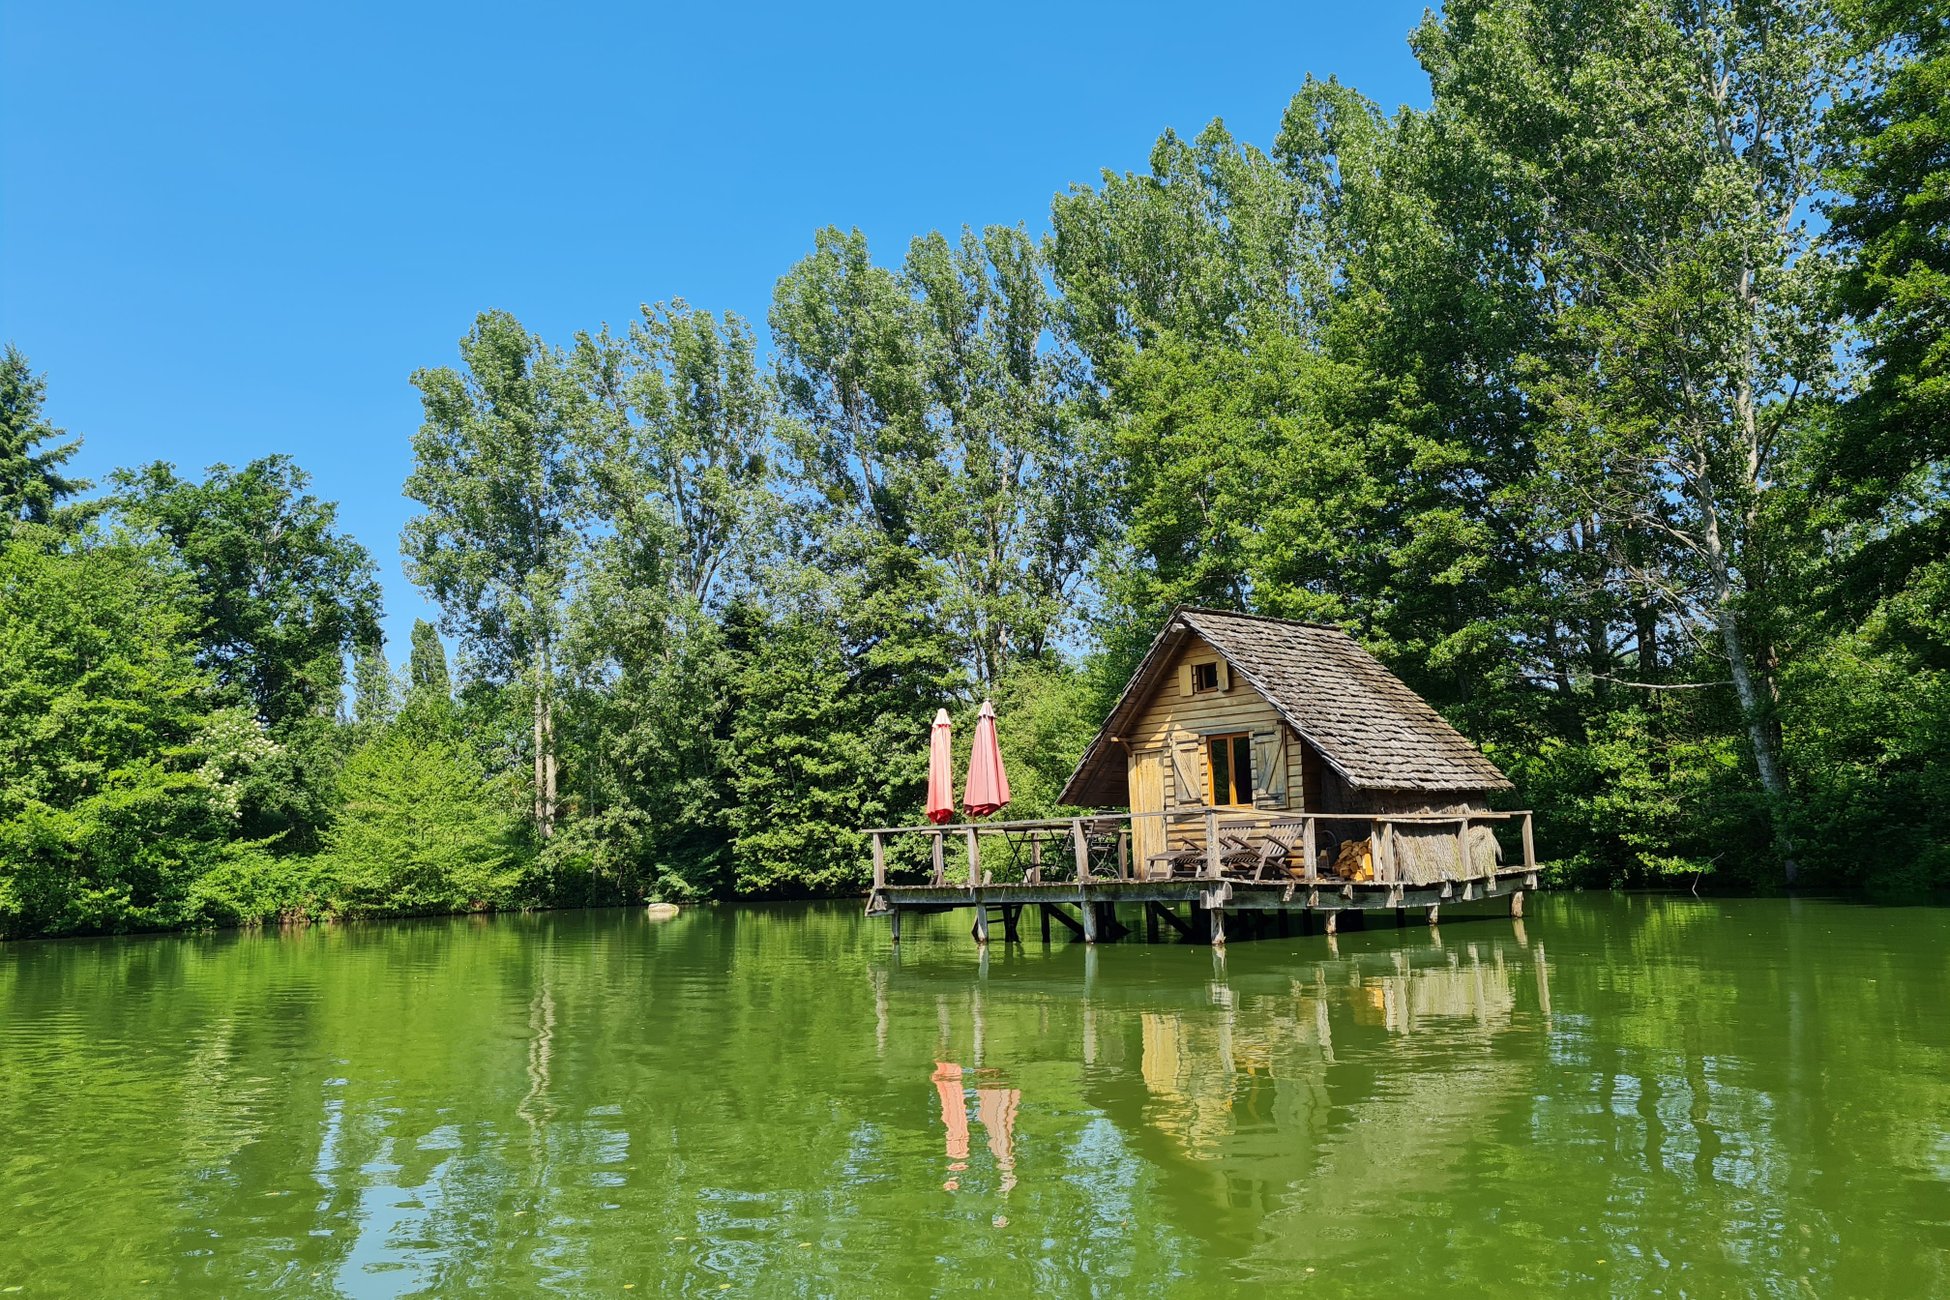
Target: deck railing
point(1110, 835)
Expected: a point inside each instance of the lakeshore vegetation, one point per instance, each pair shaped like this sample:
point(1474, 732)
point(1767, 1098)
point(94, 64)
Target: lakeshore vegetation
point(1607, 400)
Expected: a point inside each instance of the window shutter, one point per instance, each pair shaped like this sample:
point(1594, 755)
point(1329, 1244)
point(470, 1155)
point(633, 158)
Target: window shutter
point(1184, 679)
point(1269, 768)
point(1185, 773)
point(1225, 676)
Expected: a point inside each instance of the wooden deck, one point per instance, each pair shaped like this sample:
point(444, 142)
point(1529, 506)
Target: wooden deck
point(1079, 872)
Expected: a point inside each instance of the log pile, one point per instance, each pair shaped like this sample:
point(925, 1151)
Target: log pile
point(1355, 861)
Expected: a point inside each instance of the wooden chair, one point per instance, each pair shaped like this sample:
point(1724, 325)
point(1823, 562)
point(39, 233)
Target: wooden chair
point(1175, 862)
point(1274, 846)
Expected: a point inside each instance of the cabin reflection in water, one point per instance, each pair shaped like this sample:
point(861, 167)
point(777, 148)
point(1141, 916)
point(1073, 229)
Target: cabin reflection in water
point(1196, 1066)
point(1312, 1090)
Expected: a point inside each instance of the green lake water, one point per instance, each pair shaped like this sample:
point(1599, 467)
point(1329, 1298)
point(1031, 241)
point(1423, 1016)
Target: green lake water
point(1618, 1096)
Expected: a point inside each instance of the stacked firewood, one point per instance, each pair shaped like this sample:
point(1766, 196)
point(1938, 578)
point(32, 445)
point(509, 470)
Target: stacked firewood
point(1355, 861)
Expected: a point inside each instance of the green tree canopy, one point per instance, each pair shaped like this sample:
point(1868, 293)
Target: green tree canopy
point(32, 485)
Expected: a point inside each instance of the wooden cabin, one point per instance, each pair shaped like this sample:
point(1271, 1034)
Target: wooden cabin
point(1234, 711)
point(1252, 766)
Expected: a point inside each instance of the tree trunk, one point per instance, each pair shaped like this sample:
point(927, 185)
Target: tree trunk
point(1760, 737)
point(544, 747)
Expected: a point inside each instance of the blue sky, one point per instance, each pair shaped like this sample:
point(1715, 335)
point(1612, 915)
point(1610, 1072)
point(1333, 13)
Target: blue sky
point(228, 230)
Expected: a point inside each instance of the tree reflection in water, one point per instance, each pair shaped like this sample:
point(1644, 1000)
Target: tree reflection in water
point(1692, 1097)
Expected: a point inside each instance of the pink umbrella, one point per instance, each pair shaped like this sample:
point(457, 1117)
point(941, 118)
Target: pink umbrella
point(988, 784)
point(941, 771)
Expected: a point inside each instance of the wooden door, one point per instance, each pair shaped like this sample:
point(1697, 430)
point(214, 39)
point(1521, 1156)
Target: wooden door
point(1147, 775)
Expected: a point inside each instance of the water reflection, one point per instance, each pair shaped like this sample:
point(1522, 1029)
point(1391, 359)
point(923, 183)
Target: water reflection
point(1685, 1098)
point(995, 1108)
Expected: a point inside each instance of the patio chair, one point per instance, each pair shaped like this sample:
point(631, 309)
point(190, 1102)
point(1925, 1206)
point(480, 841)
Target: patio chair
point(1275, 844)
point(1175, 862)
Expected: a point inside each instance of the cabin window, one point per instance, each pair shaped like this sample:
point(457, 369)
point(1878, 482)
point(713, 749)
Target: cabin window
point(1230, 761)
point(1205, 677)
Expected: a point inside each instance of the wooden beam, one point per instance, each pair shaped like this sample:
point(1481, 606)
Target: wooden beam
point(1082, 849)
point(1212, 845)
point(1056, 910)
point(940, 859)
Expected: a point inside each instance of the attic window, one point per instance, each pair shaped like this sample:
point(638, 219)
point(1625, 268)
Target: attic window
point(1205, 676)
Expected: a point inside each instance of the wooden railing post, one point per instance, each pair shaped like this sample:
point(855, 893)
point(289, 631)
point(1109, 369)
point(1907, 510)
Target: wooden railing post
point(1124, 853)
point(1463, 863)
point(1212, 843)
point(940, 860)
point(879, 862)
point(974, 858)
point(1082, 847)
point(1529, 846)
point(1309, 846)
point(1035, 858)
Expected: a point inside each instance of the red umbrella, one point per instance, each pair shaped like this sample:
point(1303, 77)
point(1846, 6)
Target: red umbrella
point(988, 784)
point(941, 771)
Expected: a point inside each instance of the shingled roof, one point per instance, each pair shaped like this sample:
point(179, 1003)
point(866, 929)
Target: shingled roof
point(1365, 721)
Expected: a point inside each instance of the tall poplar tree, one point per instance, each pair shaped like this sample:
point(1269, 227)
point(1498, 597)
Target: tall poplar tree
point(495, 469)
point(1664, 157)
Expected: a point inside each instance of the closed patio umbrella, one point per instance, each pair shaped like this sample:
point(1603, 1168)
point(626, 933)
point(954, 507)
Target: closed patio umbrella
point(941, 771)
point(988, 784)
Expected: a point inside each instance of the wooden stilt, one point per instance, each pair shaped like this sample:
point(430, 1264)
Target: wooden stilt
point(894, 924)
point(1010, 916)
point(1433, 909)
point(1333, 922)
point(1401, 917)
point(1516, 904)
point(1151, 923)
point(1218, 915)
point(981, 927)
point(1044, 909)
point(1089, 911)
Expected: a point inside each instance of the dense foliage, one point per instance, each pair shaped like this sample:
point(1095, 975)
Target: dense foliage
point(1605, 400)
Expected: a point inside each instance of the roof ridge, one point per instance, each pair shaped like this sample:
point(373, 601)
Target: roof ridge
point(1262, 618)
